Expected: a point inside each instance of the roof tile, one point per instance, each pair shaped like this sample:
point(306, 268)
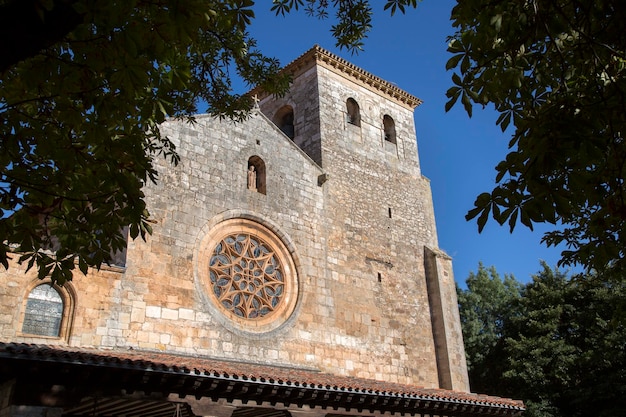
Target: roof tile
point(280, 375)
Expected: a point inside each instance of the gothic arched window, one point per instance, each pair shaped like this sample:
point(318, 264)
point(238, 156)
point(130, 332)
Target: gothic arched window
point(256, 175)
point(354, 113)
point(389, 128)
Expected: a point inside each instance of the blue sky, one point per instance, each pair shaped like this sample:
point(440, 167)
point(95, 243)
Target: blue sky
point(457, 154)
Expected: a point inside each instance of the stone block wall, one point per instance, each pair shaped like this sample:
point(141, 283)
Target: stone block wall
point(352, 210)
point(382, 217)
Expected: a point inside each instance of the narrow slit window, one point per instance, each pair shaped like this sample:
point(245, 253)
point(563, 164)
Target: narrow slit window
point(284, 119)
point(118, 258)
point(353, 112)
point(389, 129)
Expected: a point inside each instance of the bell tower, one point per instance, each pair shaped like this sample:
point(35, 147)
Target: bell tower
point(379, 226)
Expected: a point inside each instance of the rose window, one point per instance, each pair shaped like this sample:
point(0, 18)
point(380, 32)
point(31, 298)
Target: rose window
point(246, 276)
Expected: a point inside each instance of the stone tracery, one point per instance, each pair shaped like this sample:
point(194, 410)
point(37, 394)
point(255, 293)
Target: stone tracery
point(246, 276)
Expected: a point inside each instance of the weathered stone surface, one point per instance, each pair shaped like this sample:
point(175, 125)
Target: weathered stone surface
point(353, 210)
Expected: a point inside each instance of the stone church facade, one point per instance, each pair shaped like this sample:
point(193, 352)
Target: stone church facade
point(294, 269)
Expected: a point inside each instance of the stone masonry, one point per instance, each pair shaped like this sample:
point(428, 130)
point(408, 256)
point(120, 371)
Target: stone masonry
point(374, 297)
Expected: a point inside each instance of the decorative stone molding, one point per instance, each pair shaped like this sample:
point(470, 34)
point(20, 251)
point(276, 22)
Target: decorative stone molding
point(321, 56)
point(248, 275)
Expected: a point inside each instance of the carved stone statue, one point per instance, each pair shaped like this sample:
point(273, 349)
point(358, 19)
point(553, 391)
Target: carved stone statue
point(251, 178)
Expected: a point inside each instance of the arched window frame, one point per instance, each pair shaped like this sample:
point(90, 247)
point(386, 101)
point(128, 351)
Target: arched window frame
point(389, 129)
point(260, 180)
point(68, 299)
point(353, 112)
point(284, 118)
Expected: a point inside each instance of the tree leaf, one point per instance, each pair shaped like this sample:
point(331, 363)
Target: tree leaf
point(467, 104)
point(482, 219)
point(453, 62)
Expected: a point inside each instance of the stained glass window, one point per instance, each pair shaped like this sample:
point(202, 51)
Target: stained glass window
point(249, 276)
point(246, 276)
point(44, 312)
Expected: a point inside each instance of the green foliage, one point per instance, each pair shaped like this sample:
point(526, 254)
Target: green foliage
point(79, 118)
point(487, 302)
point(555, 71)
point(566, 350)
point(560, 346)
point(84, 85)
point(353, 17)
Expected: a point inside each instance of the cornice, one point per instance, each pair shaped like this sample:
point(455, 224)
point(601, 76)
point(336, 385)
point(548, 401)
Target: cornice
point(320, 56)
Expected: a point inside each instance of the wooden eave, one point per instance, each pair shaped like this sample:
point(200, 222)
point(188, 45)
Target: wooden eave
point(83, 372)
